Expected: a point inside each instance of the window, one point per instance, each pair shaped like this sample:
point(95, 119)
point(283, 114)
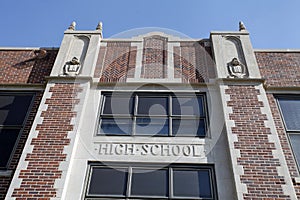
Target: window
point(13, 111)
point(150, 182)
point(290, 110)
point(153, 114)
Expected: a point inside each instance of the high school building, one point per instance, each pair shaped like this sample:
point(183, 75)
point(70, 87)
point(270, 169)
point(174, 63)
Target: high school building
point(154, 116)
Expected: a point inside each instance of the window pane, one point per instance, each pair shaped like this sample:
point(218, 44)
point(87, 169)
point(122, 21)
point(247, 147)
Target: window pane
point(152, 105)
point(152, 126)
point(118, 105)
point(107, 181)
point(188, 127)
point(13, 108)
point(116, 126)
point(189, 183)
point(295, 142)
point(291, 113)
point(187, 106)
point(149, 183)
point(8, 139)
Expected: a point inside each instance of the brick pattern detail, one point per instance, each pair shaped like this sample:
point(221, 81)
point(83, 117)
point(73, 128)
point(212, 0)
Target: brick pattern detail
point(154, 63)
point(5, 181)
point(279, 69)
point(292, 166)
point(256, 157)
point(116, 62)
point(22, 66)
point(193, 62)
point(4, 185)
point(43, 163)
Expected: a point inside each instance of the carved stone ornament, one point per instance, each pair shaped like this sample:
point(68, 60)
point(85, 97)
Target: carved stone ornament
point(72, 67)
point(236, 69)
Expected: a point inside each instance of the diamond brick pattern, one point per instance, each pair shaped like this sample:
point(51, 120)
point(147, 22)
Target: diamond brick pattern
point(193, 62)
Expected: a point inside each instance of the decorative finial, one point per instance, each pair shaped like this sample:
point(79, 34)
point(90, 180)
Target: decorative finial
point(72, 26)
point(99, 26)
point(242, 26)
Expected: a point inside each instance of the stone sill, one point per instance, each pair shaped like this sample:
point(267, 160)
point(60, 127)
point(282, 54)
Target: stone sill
point(296, 180)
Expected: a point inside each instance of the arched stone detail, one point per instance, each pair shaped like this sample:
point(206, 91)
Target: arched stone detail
point(233, 49)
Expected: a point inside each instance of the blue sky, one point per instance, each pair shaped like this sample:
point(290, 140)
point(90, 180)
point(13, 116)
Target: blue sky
point(41, 23)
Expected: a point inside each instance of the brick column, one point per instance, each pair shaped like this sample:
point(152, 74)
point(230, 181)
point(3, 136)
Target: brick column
point(46, 151)
point(44, 168)
point(258, 162)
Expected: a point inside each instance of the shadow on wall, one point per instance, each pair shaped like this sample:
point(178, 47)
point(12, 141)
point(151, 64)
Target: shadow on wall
point(41, 62)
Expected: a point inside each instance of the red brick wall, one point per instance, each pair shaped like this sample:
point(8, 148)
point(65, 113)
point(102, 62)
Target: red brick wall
point(193, 62)
point(5, 181)
point(22, 66)
point(43, 163)
point(154, 64)
point(116, 61)
point(279, 69)
point(260, 173)
point(284, 141)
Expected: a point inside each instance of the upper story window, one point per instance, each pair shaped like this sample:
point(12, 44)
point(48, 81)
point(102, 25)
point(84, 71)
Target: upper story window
point(290, 110)
point(14, 108)
point(136, 181)
point(159, 114)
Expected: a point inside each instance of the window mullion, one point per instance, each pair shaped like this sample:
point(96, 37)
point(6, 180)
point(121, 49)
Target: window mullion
point(129, 181)
point(136, 102)
point(171, 183)
point(170, 115)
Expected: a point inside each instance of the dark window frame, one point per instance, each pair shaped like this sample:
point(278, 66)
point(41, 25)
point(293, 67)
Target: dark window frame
point(17, 127)
point(145, 166)
point(288, 131)
point(169, 117)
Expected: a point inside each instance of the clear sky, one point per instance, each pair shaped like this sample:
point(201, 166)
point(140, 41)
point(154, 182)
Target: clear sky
point(272, 24)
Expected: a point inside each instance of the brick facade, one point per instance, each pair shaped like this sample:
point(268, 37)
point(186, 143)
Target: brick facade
point(260, 167)
point(154, 64)
point(286, 148)
point(193, 62)
point(43, 163)
point(25, 66)
point(116, 62)
point(280, 69)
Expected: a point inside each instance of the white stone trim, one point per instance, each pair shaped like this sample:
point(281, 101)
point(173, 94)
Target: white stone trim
point(102, 64)
point(282, 170)
point(278, 50)
point(16, 181)
point(297, 180)
point(27, 48)
point(238, 170)
point(61, 184)
point(170, 63)
point(138, 61)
